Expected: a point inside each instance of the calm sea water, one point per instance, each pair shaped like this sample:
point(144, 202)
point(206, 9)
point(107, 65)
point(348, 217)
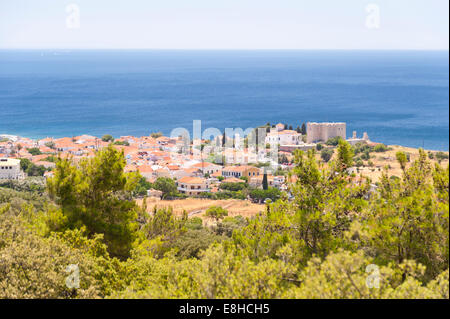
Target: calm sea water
point(397, 97)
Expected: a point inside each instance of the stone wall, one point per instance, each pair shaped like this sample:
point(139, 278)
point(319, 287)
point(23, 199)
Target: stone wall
point(322, 132)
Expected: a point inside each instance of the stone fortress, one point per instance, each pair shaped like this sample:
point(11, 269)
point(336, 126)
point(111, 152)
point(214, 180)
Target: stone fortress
point(322, 132)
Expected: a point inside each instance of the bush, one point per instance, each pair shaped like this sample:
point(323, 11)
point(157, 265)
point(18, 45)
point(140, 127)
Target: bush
point(156, 135)
point(365, 155)
point(379, 148)
point(125, 143)
point(362, 147)
point(326, 154)
point(194, 241)
point(34, 151)
point(29, 184)
point(441, 156)
point(334, 141)
point(216, 212)
point(107, 138)
point(31, 169)
point(142, 187)
point(230, 224)
point(261, 195)
point(194, 223)
point(233, 187)
point(50, 144)
point(166, 185)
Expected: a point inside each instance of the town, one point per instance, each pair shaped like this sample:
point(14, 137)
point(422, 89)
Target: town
point(213, 169)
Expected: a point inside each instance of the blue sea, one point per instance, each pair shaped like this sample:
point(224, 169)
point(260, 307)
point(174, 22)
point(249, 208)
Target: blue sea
point(397, 97)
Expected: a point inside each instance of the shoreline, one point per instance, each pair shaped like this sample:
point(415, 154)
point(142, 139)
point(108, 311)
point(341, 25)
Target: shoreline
point(18, 137)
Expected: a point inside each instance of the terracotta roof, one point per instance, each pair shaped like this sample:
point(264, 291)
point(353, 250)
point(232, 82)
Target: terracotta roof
point(216, 174)
point(238, 168)
point(191, 180)
point(203, 165)
point(233, 180)
point(145, 169)
point(191, 170)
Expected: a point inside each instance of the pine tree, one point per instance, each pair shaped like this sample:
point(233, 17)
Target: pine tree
point(303, 128)
point(224, 139)
point(265, 183)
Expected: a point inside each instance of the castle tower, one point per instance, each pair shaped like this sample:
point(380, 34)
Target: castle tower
point(322, 132)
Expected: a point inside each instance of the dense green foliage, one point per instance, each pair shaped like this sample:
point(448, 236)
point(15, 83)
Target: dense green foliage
point(156, 134)
point(233, 187)
point(379, 148)
point(34, 151)
point(322, 239)
point(50, 144)
point(125, 143)
point(265, 183)
point(326, 154)
point(142, 186)
point(260, 195)
point(216, 212)
point(32, 169)
point(107, 138)
point(96, 194)
point(166, 185)
point(334, 141)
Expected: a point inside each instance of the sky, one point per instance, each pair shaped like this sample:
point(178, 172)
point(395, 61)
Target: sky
point(220, 24)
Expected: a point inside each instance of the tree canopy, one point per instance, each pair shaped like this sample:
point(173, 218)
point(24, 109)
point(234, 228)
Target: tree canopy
point(330, 235)
point(96, 193)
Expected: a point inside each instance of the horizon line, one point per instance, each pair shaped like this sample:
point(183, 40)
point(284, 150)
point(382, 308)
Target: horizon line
point(215, 49)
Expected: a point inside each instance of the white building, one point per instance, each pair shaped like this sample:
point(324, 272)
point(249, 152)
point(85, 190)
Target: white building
point(192, 185)
point(10, 169)
point(284, 137)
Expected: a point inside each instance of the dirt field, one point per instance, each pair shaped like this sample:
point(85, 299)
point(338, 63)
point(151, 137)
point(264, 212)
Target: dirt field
point(388, 158)
point(197, 207)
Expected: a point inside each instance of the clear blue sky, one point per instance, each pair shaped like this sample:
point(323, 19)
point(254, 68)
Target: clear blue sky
point(225, 24)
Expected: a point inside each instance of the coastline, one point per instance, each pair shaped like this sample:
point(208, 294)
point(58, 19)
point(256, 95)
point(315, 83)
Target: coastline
point(18, 137)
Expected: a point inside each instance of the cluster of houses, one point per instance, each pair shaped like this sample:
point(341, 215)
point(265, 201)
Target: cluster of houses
point(155, 157)
point(151, 157)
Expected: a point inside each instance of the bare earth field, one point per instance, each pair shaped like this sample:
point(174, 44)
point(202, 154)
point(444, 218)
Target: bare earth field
point(197, 207)
point(388, 158)
point(381, 160)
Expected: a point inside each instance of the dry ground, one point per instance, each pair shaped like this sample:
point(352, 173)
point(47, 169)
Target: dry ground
point(388, 158)
point(197, 207)
point(381, 160)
